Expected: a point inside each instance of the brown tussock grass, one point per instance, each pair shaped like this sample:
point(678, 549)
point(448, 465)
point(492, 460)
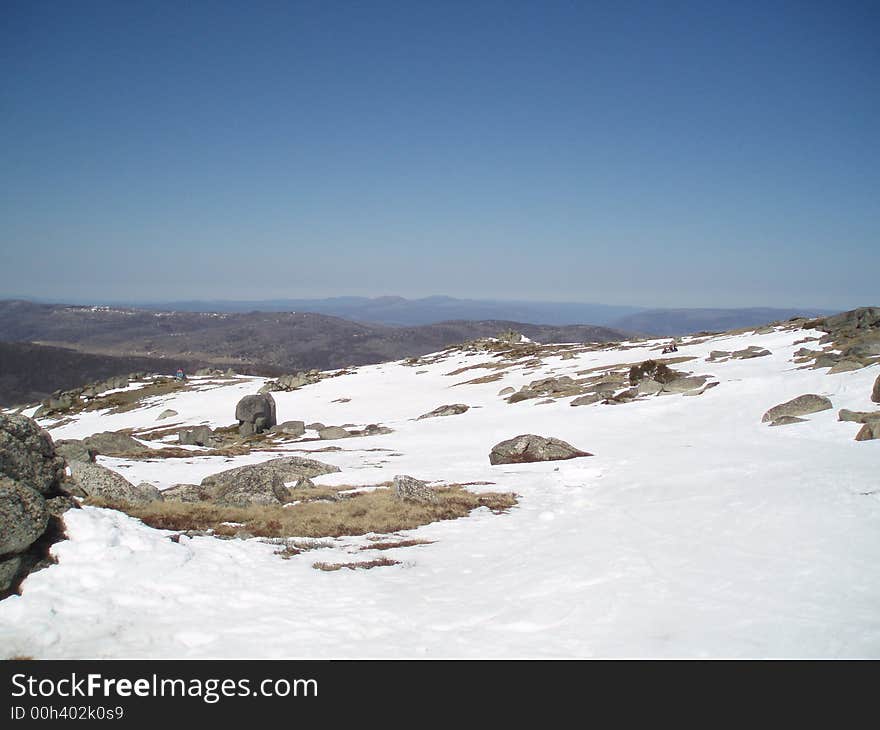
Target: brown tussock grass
point(365, 565)
point(379, 511)
point(485, 379)
point(130, 399)
point(395, 544)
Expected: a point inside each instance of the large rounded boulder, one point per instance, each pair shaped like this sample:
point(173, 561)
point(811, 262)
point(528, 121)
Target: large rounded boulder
point(255, 414)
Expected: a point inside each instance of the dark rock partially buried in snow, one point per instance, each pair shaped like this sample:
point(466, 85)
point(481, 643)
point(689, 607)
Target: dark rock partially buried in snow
point(410, 489)
point(99, 482)
point(875, 393)
point(451, 410)
point(167, 413)
point(803, 405)
point(528, 448)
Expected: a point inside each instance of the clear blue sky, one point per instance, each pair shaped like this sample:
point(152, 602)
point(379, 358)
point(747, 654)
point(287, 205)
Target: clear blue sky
point(651, 153)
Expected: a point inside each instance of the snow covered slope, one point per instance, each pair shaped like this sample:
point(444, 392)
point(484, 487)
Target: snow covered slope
point(694, 530)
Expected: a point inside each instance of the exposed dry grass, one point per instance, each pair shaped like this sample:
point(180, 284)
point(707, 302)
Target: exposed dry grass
point(485, 379)
point(365, 565)
point(478, 366)
point(390, 544)
point(378, 511)
point(128, 400)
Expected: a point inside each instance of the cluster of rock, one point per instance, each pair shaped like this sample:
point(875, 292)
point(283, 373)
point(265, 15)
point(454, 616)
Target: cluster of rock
point(255, 484)
point(331, 433)
point(851, 341)
point(610, 388)
point(64, 400)
point(870, 422)
point(291, 382)
point(34, 493)
point(214, 373)
point(747, 353)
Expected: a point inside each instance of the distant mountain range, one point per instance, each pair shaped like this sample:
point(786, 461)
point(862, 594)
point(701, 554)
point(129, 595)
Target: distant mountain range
point(56, 346)
point(267, 342)
point(671, 322)
point(400, 312)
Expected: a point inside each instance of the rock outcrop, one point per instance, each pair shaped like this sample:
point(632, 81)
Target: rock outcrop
point(528, 448)
point(291, 382)
point(262, 483)
point(33, 496)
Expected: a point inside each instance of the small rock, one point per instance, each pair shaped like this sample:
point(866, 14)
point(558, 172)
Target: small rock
point(167, 413)
point(290, 428)
point(410, 489)
point(875, 393)
point(197, 436)
point(452, 410)
point(333, 432)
